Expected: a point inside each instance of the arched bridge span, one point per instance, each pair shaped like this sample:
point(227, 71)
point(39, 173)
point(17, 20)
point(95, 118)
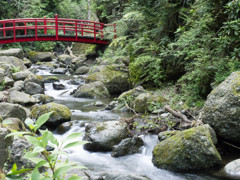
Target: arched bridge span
point(56, 29)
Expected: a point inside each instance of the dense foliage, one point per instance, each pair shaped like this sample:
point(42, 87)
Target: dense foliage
point(191, 44)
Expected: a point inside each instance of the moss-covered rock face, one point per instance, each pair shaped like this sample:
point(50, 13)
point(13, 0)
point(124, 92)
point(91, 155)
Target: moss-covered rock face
point(12, 62)
point(16, 52)
point(192, 149)
point(222, 109)
point(60, 114)
point(91, 90)
point(40, 56)
point(86, 49)
point(115, 81)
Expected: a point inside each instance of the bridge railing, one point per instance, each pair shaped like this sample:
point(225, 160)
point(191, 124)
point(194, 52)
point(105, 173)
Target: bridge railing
point(54, 27)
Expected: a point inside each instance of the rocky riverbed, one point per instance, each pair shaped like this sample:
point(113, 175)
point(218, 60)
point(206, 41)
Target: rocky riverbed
point(132, 132)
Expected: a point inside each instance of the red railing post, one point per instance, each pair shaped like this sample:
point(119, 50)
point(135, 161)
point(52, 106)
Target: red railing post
point(14, 31)
point(76, 29)
point(82, 29)
point(102, 35)
point(36, 33)
point(64, 31)
point(45, 25)
point(115, 31)
point(56, 25)
point(25, 24)
point(94, 31)
point(4, 31)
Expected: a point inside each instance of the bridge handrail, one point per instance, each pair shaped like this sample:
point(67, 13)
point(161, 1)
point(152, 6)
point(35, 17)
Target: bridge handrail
point(57, 24)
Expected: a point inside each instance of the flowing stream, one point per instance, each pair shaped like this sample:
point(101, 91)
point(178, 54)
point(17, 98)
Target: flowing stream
point(84, 112)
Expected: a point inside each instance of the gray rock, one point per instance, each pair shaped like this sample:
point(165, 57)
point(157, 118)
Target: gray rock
point(65, 59)
point(166, 134)
point(82, 70)
point(40, 56)
point(58, 86)
point(17, 52)
point(33, 88)
point(104, 135)
point(222, 109)
point(8, 81)
point(76, 81)
point(232, 169)
point(5, 142)
point(8, 110)
point(43, 98)
point(51, 79)
point(192, 149)
point(99, 104)
point(63, 128)
point(35, 79)
point(91, 90)
point(16, 124)
point(111, 105)
point(22, 75)
point(59, 71)
point(12, 62)
point(21, 98)
point(127, 146)
point(4, 95)
point(27, 62)
point(19, 85)
point(116, 81)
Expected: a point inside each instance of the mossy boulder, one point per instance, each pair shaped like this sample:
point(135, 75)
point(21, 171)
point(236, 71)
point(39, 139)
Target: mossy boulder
point(60, 113)
point(103, 136)
point(22, 98)
point(192, 149)
point(146, 102)
point(34, 79)
point(222, 109)
point(21, 75)
point(8, 110)
point(91, 90)
point(40, 56)
point(12, 62)
point(115, 81)
point(86, 49)
point(51, 79)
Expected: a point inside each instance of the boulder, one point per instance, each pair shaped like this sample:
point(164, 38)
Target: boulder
point(222, 109)
point(82, 70)
point(166, 134)
point(192, 149)
point(8, 81)
point(51, 79)
point(27, 62)
point(63, 128)
point(42, 98)
point(65, 59)
point(40, 56)
point(8, 110)
point(102, 136)
point(59, 71)
point(15, 124)
point(5, 142)
point(91, 90)
point(145, 102)
point(232, 169)
point(18, 86)
point(4, 95)
point(80, 48)
point(35, 79)
point(21, 98)
point(12, 62)
point(17, 52)
point(76, 81)
point(21, 75)
point(33, 88)
point(60, 113)
point(58, 86)
point(116, 81)
point(127, 146)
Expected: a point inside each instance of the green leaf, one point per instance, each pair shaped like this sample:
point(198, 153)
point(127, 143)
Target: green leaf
point(75, 178)
point(73, 144)
point(72, 136)
point(40, 164)
point(33, 140)
point(38, 149)
point(59, 153)
point(30, 154)
point(14, 167)
point(35, 175)
point(10, 177)
point(45, 139)
point(35, 159)
point(52, 139)
point(7, 122)
point(20, 171)
point(41, 120)
point(20, 134)
point(30, 123)
point(62, 170)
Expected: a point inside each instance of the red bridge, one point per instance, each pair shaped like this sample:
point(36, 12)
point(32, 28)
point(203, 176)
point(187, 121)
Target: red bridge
point(55, 29)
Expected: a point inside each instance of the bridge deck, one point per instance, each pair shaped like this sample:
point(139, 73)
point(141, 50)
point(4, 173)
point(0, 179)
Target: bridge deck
point(71, 38)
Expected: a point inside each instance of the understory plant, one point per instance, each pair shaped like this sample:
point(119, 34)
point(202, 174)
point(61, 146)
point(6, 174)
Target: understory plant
point(55, 162)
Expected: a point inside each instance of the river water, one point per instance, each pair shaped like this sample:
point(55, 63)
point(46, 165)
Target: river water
point(84, 112)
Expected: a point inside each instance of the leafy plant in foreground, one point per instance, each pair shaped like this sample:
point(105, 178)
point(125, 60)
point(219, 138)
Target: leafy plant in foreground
point(53, 161)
